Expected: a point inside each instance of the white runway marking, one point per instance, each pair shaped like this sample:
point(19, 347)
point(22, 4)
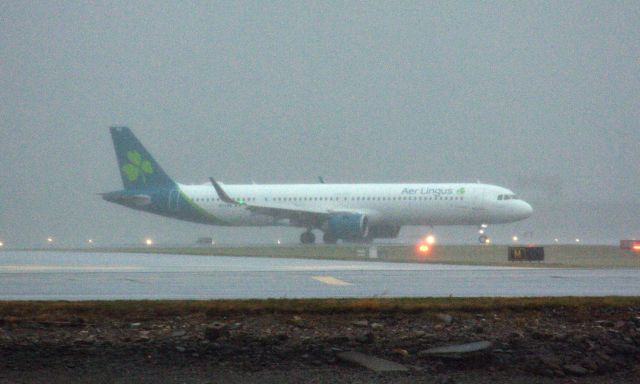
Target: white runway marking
point(330, 280)
point(66, 268)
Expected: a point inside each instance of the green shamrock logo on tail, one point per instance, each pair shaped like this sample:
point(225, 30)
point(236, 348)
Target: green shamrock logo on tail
point(137, 167)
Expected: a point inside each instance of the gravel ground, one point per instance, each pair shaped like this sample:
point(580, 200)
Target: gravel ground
point(564, 345)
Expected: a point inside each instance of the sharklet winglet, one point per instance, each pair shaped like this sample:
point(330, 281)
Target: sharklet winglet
point(222, 194)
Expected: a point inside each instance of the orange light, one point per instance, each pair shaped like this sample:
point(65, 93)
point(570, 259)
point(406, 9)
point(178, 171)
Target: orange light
point(636, 247)
point(422, 250)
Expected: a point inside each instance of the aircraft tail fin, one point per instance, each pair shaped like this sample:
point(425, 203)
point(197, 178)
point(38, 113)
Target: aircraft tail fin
point(138, 169)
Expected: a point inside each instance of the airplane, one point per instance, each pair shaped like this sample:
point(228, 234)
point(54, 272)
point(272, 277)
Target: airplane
point(346, 212)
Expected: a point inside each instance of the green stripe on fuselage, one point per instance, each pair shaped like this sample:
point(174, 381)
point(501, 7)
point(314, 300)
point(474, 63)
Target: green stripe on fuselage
point(197, 213)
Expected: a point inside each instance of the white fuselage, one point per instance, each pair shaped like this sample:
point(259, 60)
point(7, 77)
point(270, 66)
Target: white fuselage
point(396, 204)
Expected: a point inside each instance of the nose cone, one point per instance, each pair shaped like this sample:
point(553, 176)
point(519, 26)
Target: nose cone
point(523, 210)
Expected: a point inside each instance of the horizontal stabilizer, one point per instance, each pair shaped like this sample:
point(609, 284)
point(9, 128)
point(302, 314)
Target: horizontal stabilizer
point(139, 200)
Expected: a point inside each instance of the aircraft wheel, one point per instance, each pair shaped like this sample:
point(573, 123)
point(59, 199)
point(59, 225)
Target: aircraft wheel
point(307, 237)
point(328, 238)
point(483, 239)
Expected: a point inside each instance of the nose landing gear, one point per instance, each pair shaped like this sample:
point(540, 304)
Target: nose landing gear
point(483, 239)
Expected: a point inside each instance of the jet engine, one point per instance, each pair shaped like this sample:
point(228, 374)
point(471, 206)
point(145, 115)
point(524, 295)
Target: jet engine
point(348, 226)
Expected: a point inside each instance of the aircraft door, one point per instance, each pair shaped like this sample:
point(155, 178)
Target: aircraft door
point(478, 206)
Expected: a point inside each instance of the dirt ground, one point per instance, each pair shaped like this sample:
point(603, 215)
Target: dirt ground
point(542, 345)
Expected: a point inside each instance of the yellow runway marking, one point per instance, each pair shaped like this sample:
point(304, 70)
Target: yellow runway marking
point(330, 280)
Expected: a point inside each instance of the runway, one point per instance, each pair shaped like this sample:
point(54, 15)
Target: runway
point(48, 275)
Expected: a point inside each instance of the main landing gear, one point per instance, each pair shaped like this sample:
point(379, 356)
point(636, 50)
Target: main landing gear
point(307, 237)
point(329, 238)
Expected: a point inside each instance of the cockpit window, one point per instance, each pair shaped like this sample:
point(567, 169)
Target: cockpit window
point(500, 197)
point(507, 197)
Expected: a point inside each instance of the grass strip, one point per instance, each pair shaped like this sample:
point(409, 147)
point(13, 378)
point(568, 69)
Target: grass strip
point(556, 256)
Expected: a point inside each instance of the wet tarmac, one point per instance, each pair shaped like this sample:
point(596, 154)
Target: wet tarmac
point(48, 275)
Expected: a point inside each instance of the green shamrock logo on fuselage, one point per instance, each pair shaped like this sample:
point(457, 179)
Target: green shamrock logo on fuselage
point(137, 167)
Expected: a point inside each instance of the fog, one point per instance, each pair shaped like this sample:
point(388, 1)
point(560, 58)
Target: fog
point(542, 98)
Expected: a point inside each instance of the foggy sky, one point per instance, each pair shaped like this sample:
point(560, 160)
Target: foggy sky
point(539, 97)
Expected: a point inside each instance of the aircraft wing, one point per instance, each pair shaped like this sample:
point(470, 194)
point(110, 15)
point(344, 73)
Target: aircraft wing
point(306, 215)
